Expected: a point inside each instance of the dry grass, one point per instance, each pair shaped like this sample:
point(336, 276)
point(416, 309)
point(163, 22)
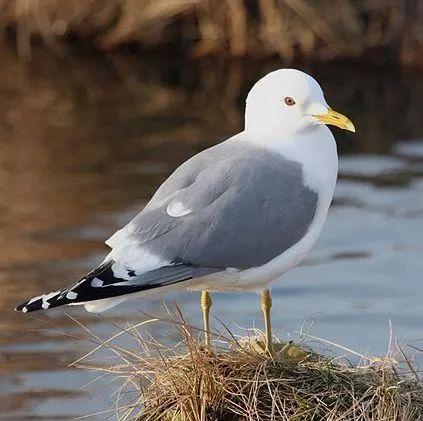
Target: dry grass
point(239, 382)
point(288, 28)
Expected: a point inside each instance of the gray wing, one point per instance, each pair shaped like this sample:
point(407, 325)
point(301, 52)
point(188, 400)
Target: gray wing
point(241, 207)
point(233, 205)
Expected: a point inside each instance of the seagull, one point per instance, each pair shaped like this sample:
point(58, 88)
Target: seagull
point(235, 216)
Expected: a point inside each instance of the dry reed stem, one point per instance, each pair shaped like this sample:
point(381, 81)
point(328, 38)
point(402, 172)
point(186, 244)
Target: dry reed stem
point(289, 28)
point(238, 381)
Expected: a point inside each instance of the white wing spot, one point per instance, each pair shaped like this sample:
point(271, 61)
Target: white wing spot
point(24, 309)
point(45, 304)
point(71, 295)
point(177, 209)
point(97, 282)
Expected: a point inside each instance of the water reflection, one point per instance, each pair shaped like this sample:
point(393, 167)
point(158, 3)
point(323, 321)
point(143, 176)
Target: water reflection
point(85, 141)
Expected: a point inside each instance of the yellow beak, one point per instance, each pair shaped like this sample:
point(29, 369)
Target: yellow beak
point(336, 119)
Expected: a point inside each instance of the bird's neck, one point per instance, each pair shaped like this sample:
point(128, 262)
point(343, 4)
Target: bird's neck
point(315, 149)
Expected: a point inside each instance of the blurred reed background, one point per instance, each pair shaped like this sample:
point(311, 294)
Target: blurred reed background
point(101, 99)
point(377, 30)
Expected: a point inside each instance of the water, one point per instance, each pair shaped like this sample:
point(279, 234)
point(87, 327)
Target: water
point(85, 141)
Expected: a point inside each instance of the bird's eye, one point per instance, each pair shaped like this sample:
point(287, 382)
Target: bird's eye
point(289, 101)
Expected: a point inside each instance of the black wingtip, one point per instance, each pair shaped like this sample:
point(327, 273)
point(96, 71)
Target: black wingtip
point(22, 307)
point(64, 296)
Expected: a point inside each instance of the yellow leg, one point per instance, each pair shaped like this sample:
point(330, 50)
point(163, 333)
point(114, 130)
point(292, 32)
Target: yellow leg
point(206, 303)
point(266, 304)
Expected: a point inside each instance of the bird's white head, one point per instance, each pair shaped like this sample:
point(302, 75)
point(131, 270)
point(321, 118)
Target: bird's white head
point(289, 101)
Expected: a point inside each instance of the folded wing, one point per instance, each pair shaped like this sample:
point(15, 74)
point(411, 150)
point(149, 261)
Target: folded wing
point(232, 206)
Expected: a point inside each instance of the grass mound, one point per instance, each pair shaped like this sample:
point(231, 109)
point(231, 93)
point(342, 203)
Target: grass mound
point(238, 381)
